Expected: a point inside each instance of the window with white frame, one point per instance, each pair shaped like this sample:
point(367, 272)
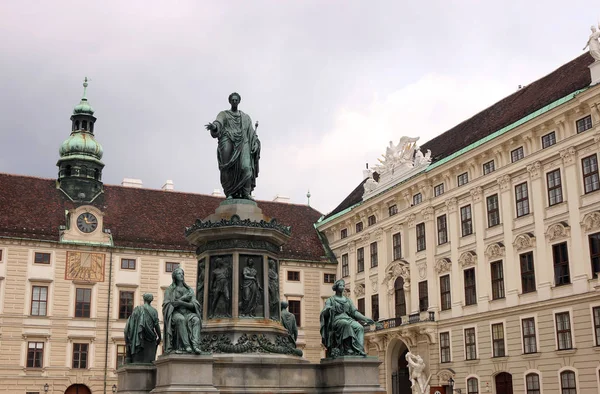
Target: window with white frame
point(516, 154)
point(438, 190)
point(420, 229)
point(462, 179)
point(445, 347)
point(563, 331)
point(470, 344)
point(345, 268)
point(472, 386)
point(522, 199)
point(488, 167)
point(417, 199)
point(591, 182)
point(470, 289)
point(497, 280)
point(442, 229)
point(393, 210)
point(466, 220)
point(493, 211)
point(568, 384)
point(532, 383)
point(554, 182)
point(498, 346)
point(596, 318)
point(397, 246)
point(529, 336)
point(584, 124)
point(548, 140)
point(371, 220)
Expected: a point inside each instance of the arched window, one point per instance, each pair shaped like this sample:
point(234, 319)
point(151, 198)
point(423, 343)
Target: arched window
point(472, 386)
point(91, 127)
point(400, 298)
point(567, 382)
point(532, 381)
point(83, 172)
point(68, 171)
point(97, 174)
point(76, 125)
point(84, 124)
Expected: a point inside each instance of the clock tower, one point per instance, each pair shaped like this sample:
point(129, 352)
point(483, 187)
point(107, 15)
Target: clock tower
point(80, 166)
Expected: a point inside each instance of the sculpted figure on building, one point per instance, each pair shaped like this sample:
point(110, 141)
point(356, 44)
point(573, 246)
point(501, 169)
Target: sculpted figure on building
point(273, 290)
point(341, 332)
point(250, 290)
point(593, 43)
point(289, 322)
point(142, 333)
point(238, 150)
point(416, 366)
point(182, 317)
point(219, 288)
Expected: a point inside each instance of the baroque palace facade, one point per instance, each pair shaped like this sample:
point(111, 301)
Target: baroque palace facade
point(76, 256)
point(482, 255)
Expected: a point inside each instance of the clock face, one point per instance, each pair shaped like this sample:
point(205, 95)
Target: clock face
point(87, 222)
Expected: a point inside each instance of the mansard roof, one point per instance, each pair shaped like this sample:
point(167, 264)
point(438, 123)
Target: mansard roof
point(33, 208)
point(567, 79)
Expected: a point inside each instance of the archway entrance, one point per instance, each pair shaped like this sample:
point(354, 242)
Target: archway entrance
point(397, 381)
point(504, 383)
point(78, 389)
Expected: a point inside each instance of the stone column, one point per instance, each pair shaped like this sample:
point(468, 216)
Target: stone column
point(478, 215)
point(431, 276)
point(456, 278)
point(508, 213)
point(540, 258)
point(412, 296)
point(578, 263)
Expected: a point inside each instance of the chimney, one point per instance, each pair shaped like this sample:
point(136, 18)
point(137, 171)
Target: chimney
point(168, 185)
point(131, 182)
point(282, 199)
point(217, 193)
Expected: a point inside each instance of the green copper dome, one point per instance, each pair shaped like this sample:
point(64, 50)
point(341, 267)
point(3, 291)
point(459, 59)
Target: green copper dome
point(83, 107)
point(81, 143)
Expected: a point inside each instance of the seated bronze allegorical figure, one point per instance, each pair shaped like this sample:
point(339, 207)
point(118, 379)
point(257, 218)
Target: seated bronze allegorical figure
point(182, 317)
point(341, 331)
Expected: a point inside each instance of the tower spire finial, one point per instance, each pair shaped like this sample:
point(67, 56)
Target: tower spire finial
point(85, 85)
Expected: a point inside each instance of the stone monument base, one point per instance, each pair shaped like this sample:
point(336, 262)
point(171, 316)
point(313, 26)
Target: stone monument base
point(251, 374)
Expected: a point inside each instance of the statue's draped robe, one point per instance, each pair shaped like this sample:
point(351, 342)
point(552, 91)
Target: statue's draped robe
point(289, 322)
point(239, 171)
point(274, 294)
point(338, 325)
point(182, 325)
point(250, 293)
point(141, 332)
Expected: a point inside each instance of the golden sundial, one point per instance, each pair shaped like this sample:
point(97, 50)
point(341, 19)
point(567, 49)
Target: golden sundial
point(85, 266)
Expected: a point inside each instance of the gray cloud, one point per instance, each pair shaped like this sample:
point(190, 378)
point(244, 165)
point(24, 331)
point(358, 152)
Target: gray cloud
point(161, 70)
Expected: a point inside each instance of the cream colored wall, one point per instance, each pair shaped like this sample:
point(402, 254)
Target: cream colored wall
point(565, 155)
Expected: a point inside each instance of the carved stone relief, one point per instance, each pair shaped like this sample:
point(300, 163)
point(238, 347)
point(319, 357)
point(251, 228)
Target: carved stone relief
point(476, 193)
point(558, 231)
point(374, 284)
point(504, 182)
point(393, 271)
point(219, 286)
point(467, 259)
point(359, 289)
point(451, 204)
point(422, 268)
point(524, 241)
point(568, 155)
point(495, 250)
point(534, 169)
point(591, 221)
point(443, 265)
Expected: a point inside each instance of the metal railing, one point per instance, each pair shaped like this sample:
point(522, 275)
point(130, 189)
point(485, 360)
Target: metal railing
point(402, 321)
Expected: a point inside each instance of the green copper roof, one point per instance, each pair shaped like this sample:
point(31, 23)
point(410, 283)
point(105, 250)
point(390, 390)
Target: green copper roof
point(83, 107)
point(81, 143)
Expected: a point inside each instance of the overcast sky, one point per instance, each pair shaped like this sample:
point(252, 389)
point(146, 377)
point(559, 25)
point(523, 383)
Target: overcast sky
point(330, 81)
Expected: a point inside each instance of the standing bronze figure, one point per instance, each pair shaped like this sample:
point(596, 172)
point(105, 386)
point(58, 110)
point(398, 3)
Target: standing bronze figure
point(289, 322)
point(250, 290)
point(142, 333)
point(182, 317)
point(341, 332)
point(238, 150)
point(273, 290)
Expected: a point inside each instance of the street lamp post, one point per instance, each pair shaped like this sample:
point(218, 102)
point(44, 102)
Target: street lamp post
point(46, 388)
point(114, 388)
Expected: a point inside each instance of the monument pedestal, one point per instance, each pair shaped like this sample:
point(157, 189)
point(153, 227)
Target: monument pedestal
point(184, 374)
point(350, 375)
point(136, 378)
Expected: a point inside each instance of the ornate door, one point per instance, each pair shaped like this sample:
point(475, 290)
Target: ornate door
point(78, 389)
point(504, 383)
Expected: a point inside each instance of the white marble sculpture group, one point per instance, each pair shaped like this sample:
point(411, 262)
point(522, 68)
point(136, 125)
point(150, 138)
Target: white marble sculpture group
point(594, 43)
point(416, 372)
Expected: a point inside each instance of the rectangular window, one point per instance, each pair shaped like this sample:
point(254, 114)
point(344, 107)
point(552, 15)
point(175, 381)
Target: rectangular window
point(328, 278)
point(493, 212)
point(344, 233)
point(442, 227)
point(83, 300)
point(39, 300)
point(360, 259)
point(517, 154)
point(127, 264)
point(374, 260)
point(591, 182)
point(294, 308)
point(359, 227)
point(421, 237)
point(522, 199)
point(371, 220)
point(438, 190)
point(497, 280)
point(345, 267)
point(445, 292)
point(35, 354)
point(532, 383)
point(120, 356)
point(595, 254)
point(445, 347)
point(498, 340)
point(0, 255)
point(125, 304)
point(596, 313)
point(80, 355)
point(529, 341)
point(527, 272)
point(470, 287)
point(423, 296)
point(375, 306)
point(563, 331)
point(548, 140)
point(462, 179)
point(561, 264)
point(293, 276)
point(397, 245)
point(417, 199)
point(554, 188)
point(42, 258)
point(466, 220)
point(170, 267)
point(584, 124)
point(470, 344)
point(489, 167)
point(393, 209)
point(567, 383)
point(361, 305)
